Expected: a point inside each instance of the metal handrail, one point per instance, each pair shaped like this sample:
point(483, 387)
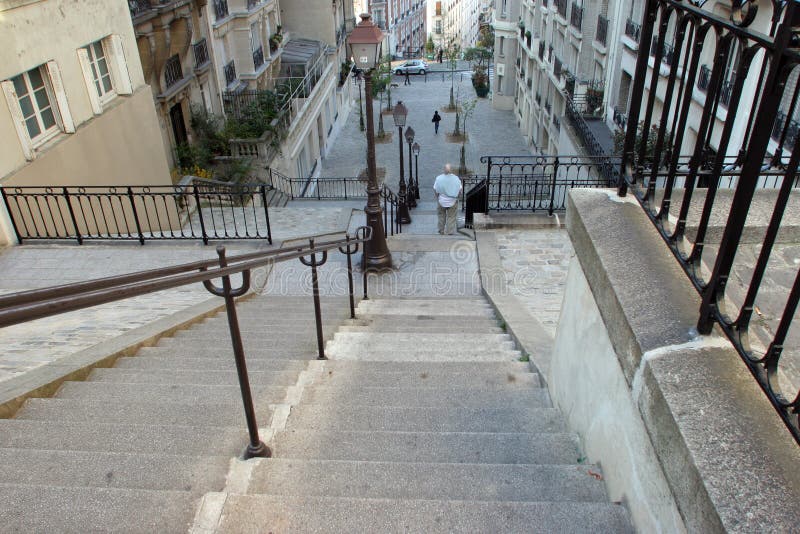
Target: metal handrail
point(35, 304)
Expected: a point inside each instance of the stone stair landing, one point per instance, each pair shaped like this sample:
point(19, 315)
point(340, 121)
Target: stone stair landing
point(423, 420)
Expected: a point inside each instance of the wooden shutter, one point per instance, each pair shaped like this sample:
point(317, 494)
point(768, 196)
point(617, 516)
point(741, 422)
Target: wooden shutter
point(86, 67)
point(18, 119)
point(61, 97)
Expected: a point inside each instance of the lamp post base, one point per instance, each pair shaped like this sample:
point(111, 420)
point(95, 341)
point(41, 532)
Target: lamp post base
point(376, 255)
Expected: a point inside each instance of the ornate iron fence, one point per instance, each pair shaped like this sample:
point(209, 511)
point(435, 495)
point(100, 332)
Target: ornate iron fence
point(685, 190)
point(139, 213)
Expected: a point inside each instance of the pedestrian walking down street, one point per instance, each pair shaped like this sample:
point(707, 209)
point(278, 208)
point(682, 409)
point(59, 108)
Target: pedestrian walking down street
point(441, 53)
point(435, 120)
point(407, 81)
point(447, 187)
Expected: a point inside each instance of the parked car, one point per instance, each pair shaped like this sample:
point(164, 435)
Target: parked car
point(412, 66)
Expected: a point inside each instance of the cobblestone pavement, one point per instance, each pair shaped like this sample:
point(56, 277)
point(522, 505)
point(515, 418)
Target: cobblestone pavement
point(536, 264)
point(489, 132)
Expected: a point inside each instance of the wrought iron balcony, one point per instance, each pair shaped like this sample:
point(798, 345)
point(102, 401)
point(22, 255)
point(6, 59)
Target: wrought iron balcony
point(633, 30)
point(173, 73)
point(725, 92)
point(792, 129)
point(252, 3)
point(221, 9)
point(704, 78)
point(230, 73)
point(138, 7)
point(557, 67)
point(668, 52)
point(541, 50)
point(620, 118)
point(200, 53)
point(576, 16)
point(258, 57)
point(561, 7)
point(602, 30)
point(557, 122)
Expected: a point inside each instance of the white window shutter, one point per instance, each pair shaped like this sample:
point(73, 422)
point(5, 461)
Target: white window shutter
point(18, 119)
point(119, 68)
point(61, 96)
point(86, 67)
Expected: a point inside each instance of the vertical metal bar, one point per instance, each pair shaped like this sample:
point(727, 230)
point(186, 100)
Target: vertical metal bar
point(135, 216)
point(266, 211)
point(350, 280)
point(200, 214)
point(256, 447)
point(11, 214)
point(317, 307)
point(553, 187)
point(72, 216)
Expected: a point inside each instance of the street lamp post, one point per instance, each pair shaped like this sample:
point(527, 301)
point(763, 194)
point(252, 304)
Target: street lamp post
point(360, 105)
point(364, 45)
point(411, 200)
point(400, 112)
point(416, 149)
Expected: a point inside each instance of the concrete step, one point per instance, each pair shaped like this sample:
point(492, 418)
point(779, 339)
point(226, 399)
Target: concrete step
point(433, 378)
point(421, 329)
point(429, 309)
point(479, 355)
point(445, 321)
point(113, 470)
point(188, 393)
point(458, 482)
point(58, 509)
point(274, 345)
point(435, 447)
point(428, 368)
point(183, 376)
point(420, 341)
point(288, 335)
point(268, 513)
point(431, 396)
point(428, 419)
point(146, 439)
point(168, 361)
point(127, 411)
point(218, 350)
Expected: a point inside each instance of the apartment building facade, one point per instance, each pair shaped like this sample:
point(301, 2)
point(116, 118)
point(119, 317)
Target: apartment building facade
point(404, 23)
point(76, 108)
point(457, 22)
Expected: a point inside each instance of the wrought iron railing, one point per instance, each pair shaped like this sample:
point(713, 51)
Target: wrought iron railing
point(601, 36)
point(576, 16)
point(26, 306)
point(763, 58)
point(667, 54)
point(203, 211)
point(230, 72)
point(173, 73)
point(200, 53)
point(704, 78)
point(137, 7)
point(221, 9)
point(561, 7)
point(789, 128)
point(632, 30)
point(620, 118)
point(258, 57)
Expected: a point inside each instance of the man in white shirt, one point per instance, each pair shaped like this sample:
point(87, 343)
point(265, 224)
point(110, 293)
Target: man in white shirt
point(447, 188)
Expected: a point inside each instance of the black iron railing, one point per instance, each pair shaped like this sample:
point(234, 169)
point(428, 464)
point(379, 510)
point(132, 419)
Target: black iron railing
point(620, 118)
point(526, 183)
point(137, 7)
point(200, 53)
point(173, 72)
point(575, 111)
point(601, 35)
point(230, 72)
point(668, 51)
point(337, 188)
point(748, 132)
point(633, 30)
point(26, 306)
point(576, 16)
point(258, 57)
point(547, 107)
point(704, 78)
point(202, 211)
point(791, 128)
point(561, 7)
point(221, 9)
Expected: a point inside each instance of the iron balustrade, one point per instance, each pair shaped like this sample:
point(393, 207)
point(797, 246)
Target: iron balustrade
point(576, 16)
point(221, 9)
point(784, 124)
point(561, 7)
point(204, 210)
point(258, 57)
point(200, 53)
point(704, 78)
point(620, 118)
point(137, 7)
point(601, 35)
point(26, 306)
point(173, 72)
point(632, 30)
point(668, 191)
point(667, 51)
point(230, 72)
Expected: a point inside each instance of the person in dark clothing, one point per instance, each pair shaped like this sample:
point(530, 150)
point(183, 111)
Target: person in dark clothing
point(441, 53)
point(407, 80)
point(435, 120)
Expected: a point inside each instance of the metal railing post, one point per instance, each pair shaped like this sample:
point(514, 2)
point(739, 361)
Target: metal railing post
point(553, 187)
point(313, 263)
point(256, 447)
point(200, 215)
point(72, 216)
point(266, 212)
point(135, 216)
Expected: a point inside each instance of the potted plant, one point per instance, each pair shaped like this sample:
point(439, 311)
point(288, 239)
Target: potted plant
point(275, 40)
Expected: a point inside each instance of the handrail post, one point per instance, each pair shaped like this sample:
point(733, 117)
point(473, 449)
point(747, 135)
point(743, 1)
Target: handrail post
point(553, 186)
point(135, 215)
point(200, 214)
point(349, 252)
point(11, 215)
point(72, 216)
point(256, 447)
point(266, 212)
point(313, 263)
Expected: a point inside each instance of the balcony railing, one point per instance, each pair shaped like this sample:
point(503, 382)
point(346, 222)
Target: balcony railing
point(576, 16)
point(541, 50)
point(230, 73)
point(704, 78)
point(620, 118)
point(258, 57)
point(668, 52)
point(602, 30)
point(252, 3)
point(633, 30)
point(200, 53)
point(557, 67)
point(221, 9)
point(138, 7)
point(173, 73)
point(725, 92)
point(557, 122)
point(561, 7)
point(792, 129)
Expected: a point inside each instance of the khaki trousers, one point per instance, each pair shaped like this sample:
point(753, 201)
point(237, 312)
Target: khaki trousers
point(447, 219)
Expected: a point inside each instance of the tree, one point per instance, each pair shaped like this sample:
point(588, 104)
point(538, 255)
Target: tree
point(479, 58)
point(486, 37)
point(429, 46)
point(468, 108)
point(452, 54)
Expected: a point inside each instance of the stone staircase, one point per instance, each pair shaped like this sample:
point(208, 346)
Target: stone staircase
point(423, 420)
point(136, 446)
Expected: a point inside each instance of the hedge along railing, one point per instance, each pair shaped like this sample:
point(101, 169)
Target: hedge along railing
point(139, 213)
point(766, 58)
